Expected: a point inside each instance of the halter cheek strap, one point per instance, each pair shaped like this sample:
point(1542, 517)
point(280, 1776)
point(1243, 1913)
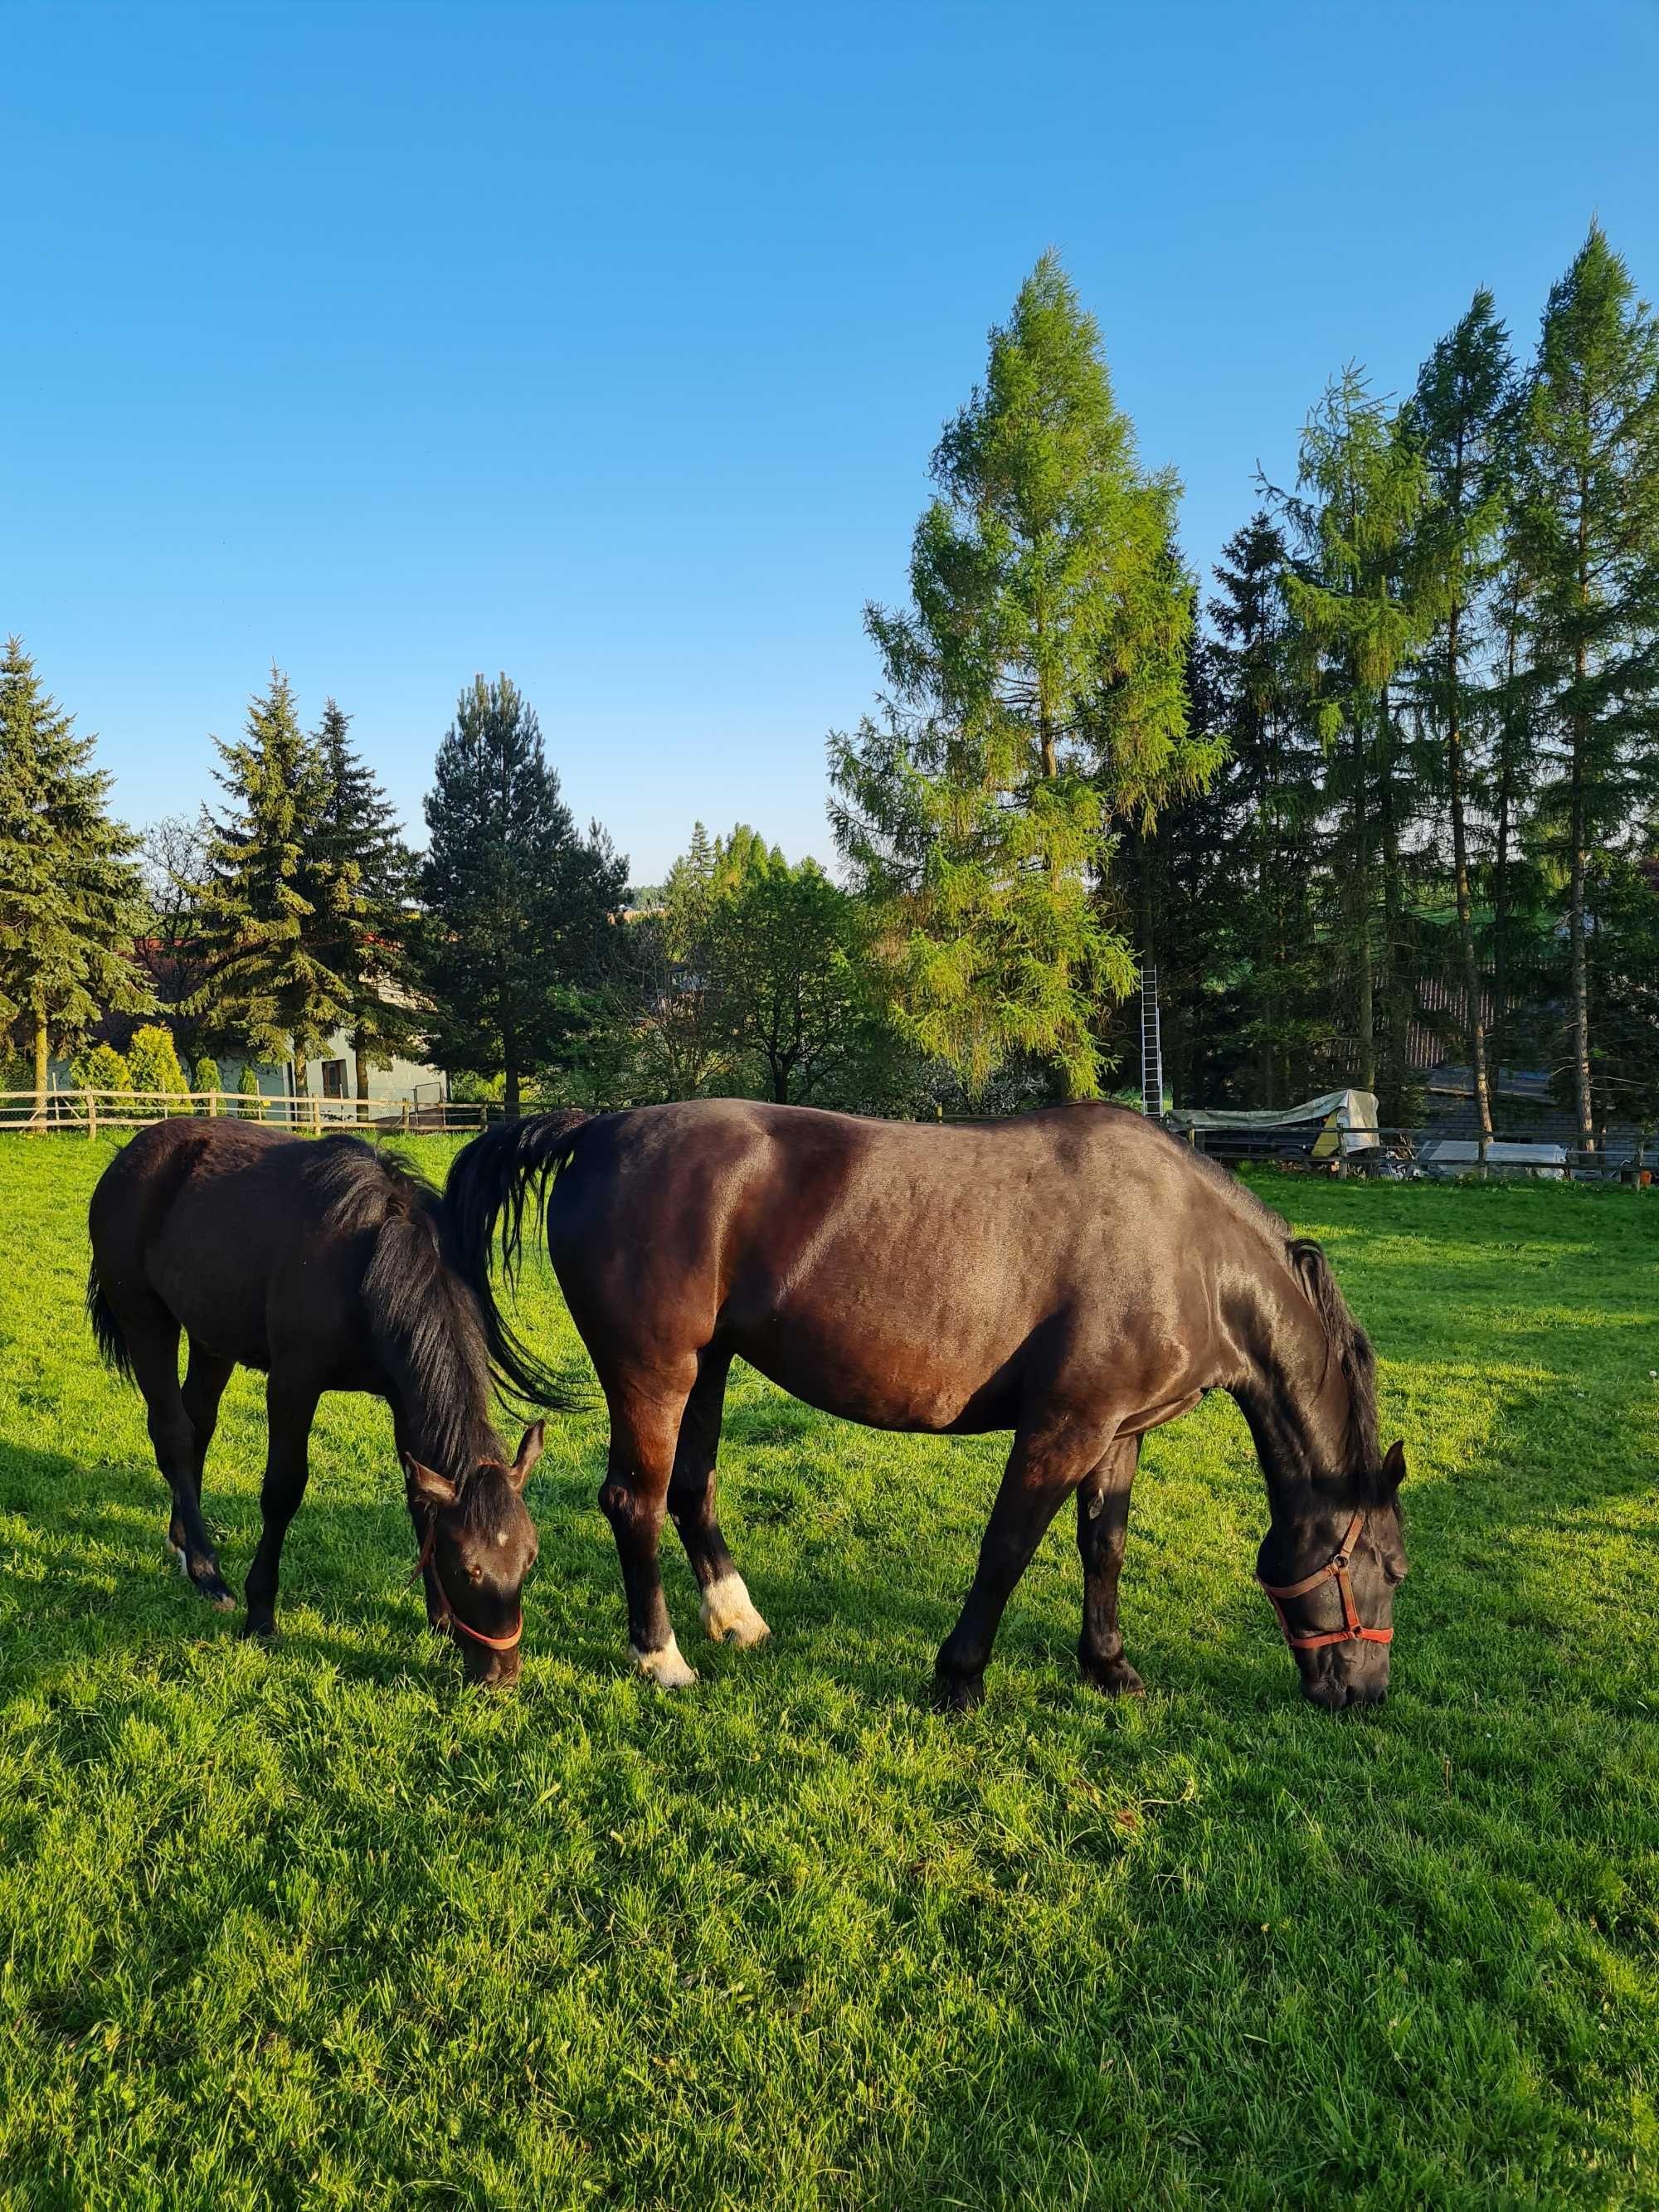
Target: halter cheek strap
point(447, 1613)
point(1334, 1569)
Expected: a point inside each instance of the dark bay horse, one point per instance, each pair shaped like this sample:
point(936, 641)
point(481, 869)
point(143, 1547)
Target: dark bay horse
point(322, 1264)
point(1075, 1276)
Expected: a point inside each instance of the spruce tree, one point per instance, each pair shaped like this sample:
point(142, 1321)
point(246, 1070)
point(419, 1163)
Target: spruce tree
point(1034, 691)
point(1589, 532)
point(70, 902)
point(518, 903)
point(1461, 419)
point(1361, 490)
point(359, 830)
point(276, 895)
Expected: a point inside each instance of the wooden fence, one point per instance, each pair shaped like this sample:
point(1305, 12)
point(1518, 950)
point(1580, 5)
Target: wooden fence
point(87, 1113)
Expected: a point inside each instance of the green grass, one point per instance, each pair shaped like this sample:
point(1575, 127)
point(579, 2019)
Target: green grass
point(318, 1928)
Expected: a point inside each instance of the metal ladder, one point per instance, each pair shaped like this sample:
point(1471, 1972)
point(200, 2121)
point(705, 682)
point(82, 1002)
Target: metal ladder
point(1151, 1048)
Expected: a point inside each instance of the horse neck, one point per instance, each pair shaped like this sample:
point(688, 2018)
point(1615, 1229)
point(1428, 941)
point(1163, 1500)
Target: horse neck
point(1296, 1399)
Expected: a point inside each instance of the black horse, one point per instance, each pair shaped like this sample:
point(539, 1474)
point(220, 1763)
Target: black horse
point(1076, 1276)
point(322, 1263)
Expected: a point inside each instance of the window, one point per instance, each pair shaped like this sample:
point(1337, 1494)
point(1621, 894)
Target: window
point(334, 1079)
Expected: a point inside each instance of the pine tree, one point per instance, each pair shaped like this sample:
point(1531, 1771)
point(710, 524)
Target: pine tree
point(1461, 421)
point(1034, 692)
point(518, 903)
point(70, 903)
point(359, 830)
point(1589, 532)
point(275, 897)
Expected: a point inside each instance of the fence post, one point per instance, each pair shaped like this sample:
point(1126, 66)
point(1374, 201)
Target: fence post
point(213, 1105)
point(404, 1109)
point(92, 1114)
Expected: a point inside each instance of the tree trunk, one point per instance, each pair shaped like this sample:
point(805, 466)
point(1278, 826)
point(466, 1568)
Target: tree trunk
point(302, 1080)
point(1365, 1009)
point(1396, 994)
point(1581, 1059)
point(360, 1072)
point(511, 1089)
point(1500, 889)
point(41, 1057)
point(1475, 1028)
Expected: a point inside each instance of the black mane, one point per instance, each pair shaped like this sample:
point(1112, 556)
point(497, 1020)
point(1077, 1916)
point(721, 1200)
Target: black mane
point(425, 1319)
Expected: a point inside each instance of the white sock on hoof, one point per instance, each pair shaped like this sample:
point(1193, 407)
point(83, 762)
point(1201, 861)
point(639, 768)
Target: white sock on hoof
point(727, 1613)
point(665, 1668)
point(176, 1554)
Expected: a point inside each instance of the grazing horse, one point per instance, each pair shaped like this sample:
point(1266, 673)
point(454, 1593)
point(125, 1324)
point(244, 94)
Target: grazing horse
point(1076, 1276)
point(323, 1263)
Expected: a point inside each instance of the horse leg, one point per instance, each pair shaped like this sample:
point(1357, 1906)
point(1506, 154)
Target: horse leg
point(727, 1613)
point(289, 1408)
point(1102, 1523)
point(154, 1346)
point(1043, 1465)
point(644, 1426)
point(205, 1377)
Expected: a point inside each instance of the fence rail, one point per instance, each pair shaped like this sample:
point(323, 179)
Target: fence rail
point(1411, 1153)
point(89, 1112)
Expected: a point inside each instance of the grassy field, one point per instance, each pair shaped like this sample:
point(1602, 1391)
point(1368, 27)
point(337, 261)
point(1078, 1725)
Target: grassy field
point(317, 1928)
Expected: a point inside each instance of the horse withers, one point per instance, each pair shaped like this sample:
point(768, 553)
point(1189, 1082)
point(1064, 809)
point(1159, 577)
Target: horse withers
point(322, 1263)
point(1075, 1276)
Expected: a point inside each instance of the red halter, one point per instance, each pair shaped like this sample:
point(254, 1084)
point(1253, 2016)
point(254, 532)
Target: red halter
point(448, 1612)
point(1335, 1570)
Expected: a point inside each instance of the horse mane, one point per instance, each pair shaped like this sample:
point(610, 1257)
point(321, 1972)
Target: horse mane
point(424, 1319)
point(1347, 1341)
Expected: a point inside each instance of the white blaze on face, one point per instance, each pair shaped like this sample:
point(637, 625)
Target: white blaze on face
point(665, 1668)
point(728, 1614)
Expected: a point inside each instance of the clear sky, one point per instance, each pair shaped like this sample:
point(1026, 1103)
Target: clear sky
point(607, 345)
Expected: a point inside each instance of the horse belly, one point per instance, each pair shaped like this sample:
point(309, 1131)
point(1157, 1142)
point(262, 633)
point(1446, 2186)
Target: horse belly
point(885, 1377)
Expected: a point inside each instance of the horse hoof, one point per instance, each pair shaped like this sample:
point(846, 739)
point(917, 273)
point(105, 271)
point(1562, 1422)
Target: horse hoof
point(216, 1594)
point(958, 1693)
point(260, 1632)
point(665, 1668)
point(1113, 1678)
point(728, 1616)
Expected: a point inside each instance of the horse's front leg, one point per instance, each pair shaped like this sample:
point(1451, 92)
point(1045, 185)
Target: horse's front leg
point(728, 1611)
point(290, 1409)
point(645, 1422)
point(1103, 1522)
point(1044, 1464)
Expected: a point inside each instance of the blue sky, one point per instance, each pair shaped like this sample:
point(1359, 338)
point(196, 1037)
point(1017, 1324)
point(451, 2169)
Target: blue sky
point(607, 345)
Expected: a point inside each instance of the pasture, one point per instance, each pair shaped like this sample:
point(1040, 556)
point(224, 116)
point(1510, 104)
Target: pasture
point(316, 1927)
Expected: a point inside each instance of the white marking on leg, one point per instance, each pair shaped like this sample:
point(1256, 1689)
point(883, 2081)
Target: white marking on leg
point(178, 1558)
point(665, 1668)
point(728, 1613)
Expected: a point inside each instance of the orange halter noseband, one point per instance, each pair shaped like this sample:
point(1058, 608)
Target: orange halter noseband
point(448, 1614)
point(1334, 1569)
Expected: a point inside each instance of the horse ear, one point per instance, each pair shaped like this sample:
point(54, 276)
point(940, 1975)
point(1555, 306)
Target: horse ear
point(427, 1488)
point(530, 1450)
point(1393, 1465)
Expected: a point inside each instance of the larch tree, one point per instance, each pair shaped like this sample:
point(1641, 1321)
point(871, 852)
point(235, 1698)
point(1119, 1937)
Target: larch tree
point(274, 896)
point(70, 899)
point(518, 903)
point(1034, 691)
point(1461, 419)
point(1589, 527)
point(359, 830)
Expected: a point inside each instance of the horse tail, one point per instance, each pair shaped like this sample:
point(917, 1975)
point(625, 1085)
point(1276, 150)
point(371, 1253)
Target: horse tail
point(1347, 1341)
point(106, 1329)
point(491, 1182)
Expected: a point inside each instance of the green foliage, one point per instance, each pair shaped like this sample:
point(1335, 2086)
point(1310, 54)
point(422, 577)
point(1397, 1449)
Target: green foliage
point(359, 835)
point(248, 1086)
point(153, 1065)
point(1035, 692)
point(101, 1068)
point(70, 895)
point(519, 905)
point(317, 1925)
point(204, 1076)
point(278, 895)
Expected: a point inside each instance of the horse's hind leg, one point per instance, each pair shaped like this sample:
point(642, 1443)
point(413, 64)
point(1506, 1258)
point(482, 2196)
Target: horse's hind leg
point(154, 1346)
point(1103, 1522)
point(205, 1377)
point(1044, 1464)
point(645, 1421)
point(728, 1612)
